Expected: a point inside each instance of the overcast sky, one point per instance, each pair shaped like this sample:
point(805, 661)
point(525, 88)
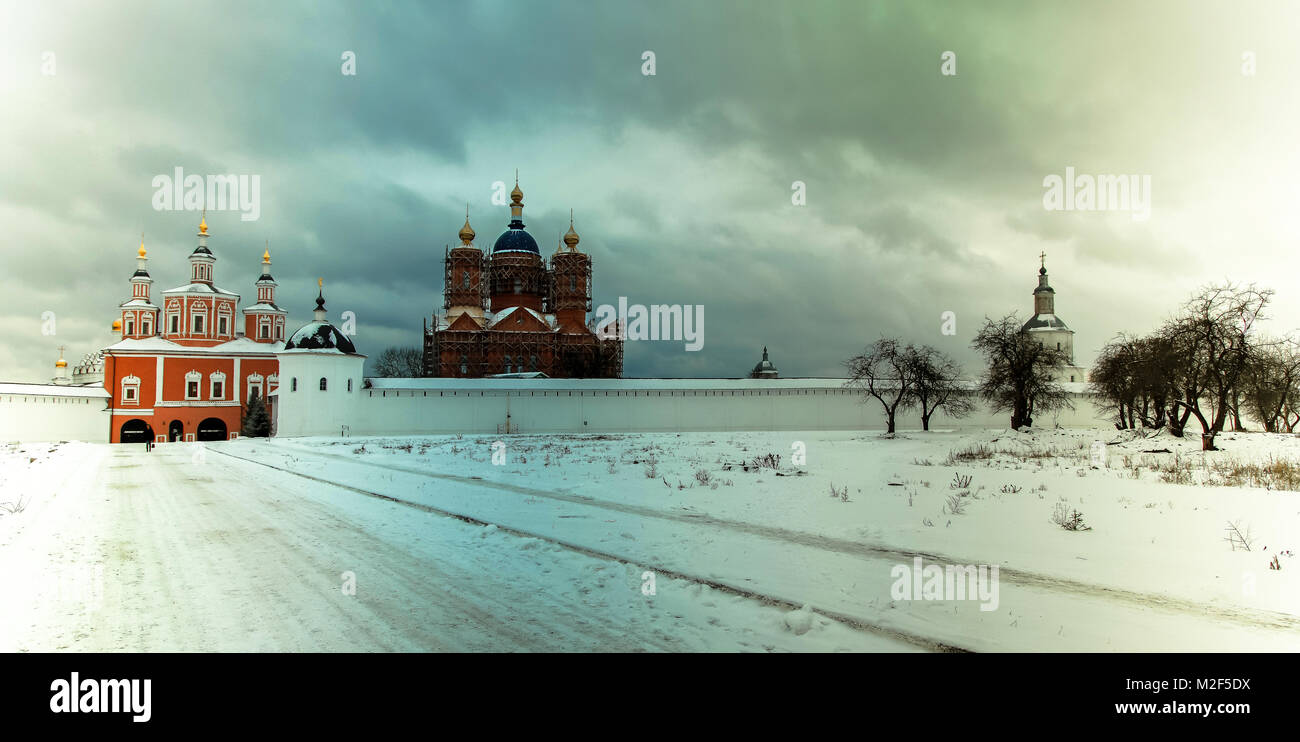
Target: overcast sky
point(924, 191)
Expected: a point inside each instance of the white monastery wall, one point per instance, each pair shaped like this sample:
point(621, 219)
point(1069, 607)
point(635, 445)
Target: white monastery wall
point(415, 406)
point(48, 412)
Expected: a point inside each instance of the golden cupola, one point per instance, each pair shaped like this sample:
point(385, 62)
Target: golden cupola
point(466, 233)
point(571, 237)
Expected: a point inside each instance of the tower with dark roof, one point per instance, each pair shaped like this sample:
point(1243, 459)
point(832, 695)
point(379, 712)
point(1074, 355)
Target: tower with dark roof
point(139, 313)
point(264, 321)
point(1048, 328)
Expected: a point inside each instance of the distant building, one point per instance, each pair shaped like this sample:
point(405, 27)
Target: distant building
point(1049, 329)
point(62, 376)
point(509, 312)
point(764, 368)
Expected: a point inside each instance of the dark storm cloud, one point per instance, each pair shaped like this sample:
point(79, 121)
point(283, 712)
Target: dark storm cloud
point(923, 191)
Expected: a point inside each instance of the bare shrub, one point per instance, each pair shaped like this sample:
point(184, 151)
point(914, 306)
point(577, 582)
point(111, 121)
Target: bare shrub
point(977, 452)
point(1238, 538)
point(842, 493)
point(1070, 520)
point(15, 507)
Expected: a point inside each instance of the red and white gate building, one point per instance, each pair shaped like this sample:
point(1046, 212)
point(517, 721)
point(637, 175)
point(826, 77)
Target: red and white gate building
point(185, 368)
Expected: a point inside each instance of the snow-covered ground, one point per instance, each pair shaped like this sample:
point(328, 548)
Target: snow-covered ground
point(1154, 571)
point(240, 545)
point(185, 550)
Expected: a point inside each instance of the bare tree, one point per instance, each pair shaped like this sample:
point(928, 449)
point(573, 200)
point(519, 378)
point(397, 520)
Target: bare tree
point(936, 383)
point(1135, 376)
point(398, 363)
point(885, 371)
point(1020, 376)
point(1212, 337)
point(1113, 379)
point(1271, 383)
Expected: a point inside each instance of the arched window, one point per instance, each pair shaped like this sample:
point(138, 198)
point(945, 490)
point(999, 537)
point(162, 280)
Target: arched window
point(322, 383)
point(519, 286)
point(464, 279)
point(508, 369)
point(464, 363)
point(532, 363)
point(349, 386)
point(573, 283)
point(293, 384)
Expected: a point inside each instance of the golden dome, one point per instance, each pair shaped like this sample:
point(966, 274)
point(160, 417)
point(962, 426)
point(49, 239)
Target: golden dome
point(266, 256)
point(571, 237)
point(203, 222)
point(117, 325)
point(142, 250)
point(60, 363)
point(466, 232)
point(516, 196)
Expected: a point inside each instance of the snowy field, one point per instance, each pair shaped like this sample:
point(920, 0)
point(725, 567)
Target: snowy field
point(560, 538)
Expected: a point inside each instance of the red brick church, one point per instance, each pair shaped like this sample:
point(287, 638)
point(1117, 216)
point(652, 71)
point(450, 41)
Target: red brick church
point(185, 367)
point(509, 312)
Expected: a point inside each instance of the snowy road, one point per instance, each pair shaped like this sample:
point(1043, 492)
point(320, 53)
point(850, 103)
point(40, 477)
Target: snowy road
point(183, 551)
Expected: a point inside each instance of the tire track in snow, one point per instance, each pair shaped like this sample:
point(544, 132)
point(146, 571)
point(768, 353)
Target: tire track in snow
point(766, 599)
point(1262, 619)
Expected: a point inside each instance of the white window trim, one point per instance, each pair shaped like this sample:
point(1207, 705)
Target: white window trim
point(216, 377)
point(132, 383)
point(255, 381)
point(199, 310)
point(193, 376)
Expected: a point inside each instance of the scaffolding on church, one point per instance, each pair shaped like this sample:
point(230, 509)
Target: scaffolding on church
point(570, 284)
point(518, 274)
point(464, 278)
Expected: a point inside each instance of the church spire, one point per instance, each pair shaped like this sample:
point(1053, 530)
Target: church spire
point(319, 313)
point(571, 237)
point(466, 234)
point(516, 205)
point(1044, 295)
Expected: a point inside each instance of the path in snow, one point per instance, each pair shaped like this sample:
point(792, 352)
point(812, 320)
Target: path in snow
point(164, 552)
